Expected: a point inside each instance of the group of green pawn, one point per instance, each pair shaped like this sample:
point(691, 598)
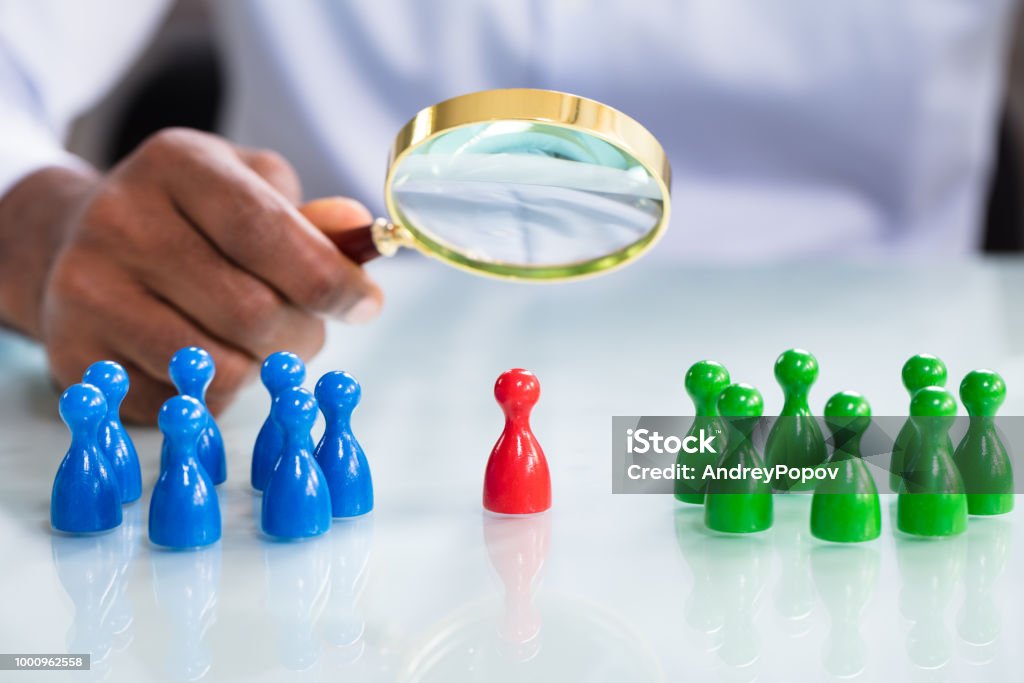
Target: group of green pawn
point(937, 486)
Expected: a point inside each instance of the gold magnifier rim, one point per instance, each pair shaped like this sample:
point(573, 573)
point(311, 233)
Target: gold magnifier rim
point(550, 107)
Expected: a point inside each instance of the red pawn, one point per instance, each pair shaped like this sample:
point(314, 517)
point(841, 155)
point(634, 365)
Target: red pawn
point(517, 481)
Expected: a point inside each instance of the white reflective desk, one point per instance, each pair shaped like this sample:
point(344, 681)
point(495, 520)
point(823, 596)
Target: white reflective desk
point(602, 588)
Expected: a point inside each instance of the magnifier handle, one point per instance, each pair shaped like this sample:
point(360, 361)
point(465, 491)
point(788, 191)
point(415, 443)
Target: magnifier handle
point(357, 243)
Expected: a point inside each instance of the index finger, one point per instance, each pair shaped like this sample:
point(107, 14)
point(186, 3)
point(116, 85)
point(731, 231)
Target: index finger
point(261, 231)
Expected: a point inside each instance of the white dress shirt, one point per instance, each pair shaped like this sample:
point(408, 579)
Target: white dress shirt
point(794, 127)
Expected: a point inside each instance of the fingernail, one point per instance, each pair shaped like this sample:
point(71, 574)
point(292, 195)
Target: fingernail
point(363, 311)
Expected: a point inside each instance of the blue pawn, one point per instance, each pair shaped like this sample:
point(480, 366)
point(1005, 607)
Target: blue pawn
point(339, 454)
point(191, 371)
point(114, 442)
point(183, 512)
point(86, 497)
point(296, 501)
point(280, 371)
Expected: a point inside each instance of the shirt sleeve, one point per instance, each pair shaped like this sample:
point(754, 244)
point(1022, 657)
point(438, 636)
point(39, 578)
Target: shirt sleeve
point(58, 58)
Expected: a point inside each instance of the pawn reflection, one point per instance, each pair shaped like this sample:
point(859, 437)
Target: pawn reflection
point(517, 548)
point(702, 609)
point(845, 577)
point(729, 575)
point(342, 625)
point(298, 585)
point(186, 586)
point(791, 538)
point(930, 571)
point(122, 612)
point(978, 621)
point(92, 571)
point(524, 634)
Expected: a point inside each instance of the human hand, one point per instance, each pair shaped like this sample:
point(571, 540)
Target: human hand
point(189, 241)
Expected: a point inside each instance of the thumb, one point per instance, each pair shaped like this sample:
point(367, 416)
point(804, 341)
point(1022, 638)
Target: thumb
point(336, 214)
point(347, 223)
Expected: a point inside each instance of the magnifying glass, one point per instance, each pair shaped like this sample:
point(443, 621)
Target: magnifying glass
point(521, 184)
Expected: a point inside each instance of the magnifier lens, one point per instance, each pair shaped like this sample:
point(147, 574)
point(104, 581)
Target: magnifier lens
point(526, 194)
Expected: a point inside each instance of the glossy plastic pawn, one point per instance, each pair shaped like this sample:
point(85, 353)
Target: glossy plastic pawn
point(981, 456)
point(339, 454)
point(280, 371)
point(932, 500)
point(296, 501)
point(184, 511)
point(742, 505)
point(192, 369)
point(86, 497)
point(845, 508)
point(517, 480)
point(795, 439)
point(704, 382)
point(114, 442)
point(920, 371)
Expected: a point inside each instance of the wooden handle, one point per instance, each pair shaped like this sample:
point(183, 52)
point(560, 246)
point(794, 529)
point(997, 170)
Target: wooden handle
point(357, 243)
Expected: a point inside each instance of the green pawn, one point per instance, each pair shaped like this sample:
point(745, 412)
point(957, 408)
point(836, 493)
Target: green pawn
point(981, 456)
point(795, 439)
point(846, 509)
point(705, 380)
point(932, 500)
point(920, 371)
point(743, 505)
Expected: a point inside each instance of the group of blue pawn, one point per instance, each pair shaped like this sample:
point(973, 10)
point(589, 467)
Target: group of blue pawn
point(304, 487)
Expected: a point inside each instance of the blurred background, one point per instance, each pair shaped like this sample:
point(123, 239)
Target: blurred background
point(180, 80)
